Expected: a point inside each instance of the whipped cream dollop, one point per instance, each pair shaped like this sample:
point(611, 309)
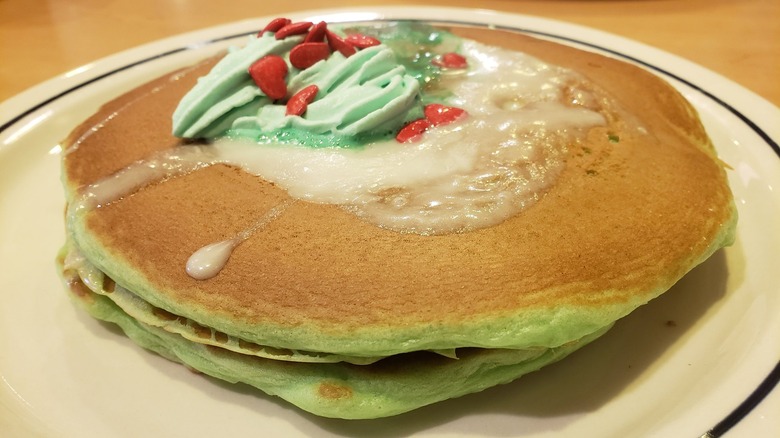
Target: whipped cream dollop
point(227, 92)
point(367, 93)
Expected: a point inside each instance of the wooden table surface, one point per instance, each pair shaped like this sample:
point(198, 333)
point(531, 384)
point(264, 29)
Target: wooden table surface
point(39, 39)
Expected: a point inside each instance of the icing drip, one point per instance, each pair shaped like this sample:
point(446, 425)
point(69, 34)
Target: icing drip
point(209, 260)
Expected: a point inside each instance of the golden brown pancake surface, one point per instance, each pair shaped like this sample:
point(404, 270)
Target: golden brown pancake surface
point(629, 215)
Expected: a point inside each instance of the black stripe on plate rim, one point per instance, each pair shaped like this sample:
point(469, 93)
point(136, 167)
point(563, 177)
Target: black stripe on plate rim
point(744, 408)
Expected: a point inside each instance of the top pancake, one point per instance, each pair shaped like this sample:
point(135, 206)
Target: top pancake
point(623, 222)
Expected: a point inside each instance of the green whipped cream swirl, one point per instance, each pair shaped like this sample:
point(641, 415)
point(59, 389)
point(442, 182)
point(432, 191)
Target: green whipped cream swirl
point(367, 94)
point(227, 92)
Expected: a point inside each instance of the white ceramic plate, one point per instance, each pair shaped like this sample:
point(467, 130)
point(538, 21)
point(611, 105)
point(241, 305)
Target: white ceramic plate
point(680, 366)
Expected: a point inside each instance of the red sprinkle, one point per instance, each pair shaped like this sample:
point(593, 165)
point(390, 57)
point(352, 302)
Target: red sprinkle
point(297, 104)
point(451, 60)
point(305, 55)
point(274, 25)
point(438, 114)
point(412, 131)
point(270, 73)
point(361, 41)
point(317, 33)
point(297, 28)
point(338, 43)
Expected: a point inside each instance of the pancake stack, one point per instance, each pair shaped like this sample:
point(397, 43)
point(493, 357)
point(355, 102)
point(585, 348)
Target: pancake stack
point(350, 320)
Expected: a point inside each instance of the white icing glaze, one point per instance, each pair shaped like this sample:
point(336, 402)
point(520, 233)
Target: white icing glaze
point(209, 260)
point(176, 161)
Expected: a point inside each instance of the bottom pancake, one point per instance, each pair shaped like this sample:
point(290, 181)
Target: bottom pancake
point(390, 386)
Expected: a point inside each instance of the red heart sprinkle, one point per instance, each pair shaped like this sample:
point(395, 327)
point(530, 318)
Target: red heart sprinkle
point(274, 25)
point(439, 114)
point(269, 73)
point(317, 33)
point(305, 55)
point(412, 131)
point(362, 41)
point(451, 60)
point(296, 28)
point(338, 43)
point(297, 104)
